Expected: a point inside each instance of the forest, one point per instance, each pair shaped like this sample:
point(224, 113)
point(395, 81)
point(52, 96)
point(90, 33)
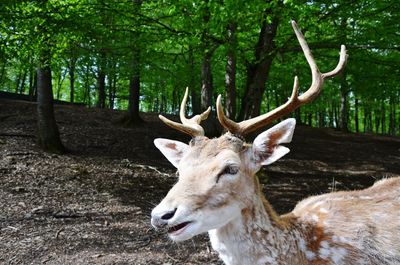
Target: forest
point(140, 55)
point(82, 84)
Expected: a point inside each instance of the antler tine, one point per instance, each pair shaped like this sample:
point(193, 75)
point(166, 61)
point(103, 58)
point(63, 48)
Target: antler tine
point(295, 101)
point(227, 123)
point(342, 63)
point(188, 126)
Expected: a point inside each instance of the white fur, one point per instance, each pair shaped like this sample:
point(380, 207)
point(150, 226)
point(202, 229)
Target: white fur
point(268, 141)
point(172, 150)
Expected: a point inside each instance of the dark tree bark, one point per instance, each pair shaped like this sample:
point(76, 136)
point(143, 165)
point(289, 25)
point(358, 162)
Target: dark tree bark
point(48, 134)
point(377, 120)
point(101, 81)
point(309, 119)
point(112, 90)
point(258, 71)
point(71, 71)
point(101, 86)
point(134, 90)
point(321, 118)
point(297, 115)
point(133, 117)
point(336, 116)
point(163, 104)
point(367, 119)
point(86, 95)
point(230, 73)
point(206, 70)
point(383, 117)
point(392, 116)
point(206, 81)
point(370, 124)
point(356, 106)
point(22, 82)
point(195, 98)
point(32, 84)
point(60, 79)
point(330, 113)
point(344, 91)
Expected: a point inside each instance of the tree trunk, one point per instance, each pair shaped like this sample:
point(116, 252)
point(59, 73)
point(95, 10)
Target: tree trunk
point(134, 89)
point(258, 71)
point(60, 80)
point(175, 100)
point(33, 85)
point(101, 81)
point(356, 115)
point(22, 84)
point(32, 76)
point(309, 119)
point(71, 70)
point(321, 119)
point(86, 95)
point(331, 115)
point(230, 74)
point(206, 81)
point(196, 105)
point(343, 103)
point(297, 115)
point(370, 122)
point(112, 90)
point(206, 72)
point(336, 116)
point(48, 134)
point(383, 117)
point(101, 86)
point(377, 120)
point(133, 116)
point(392, 116)
point(367, 119)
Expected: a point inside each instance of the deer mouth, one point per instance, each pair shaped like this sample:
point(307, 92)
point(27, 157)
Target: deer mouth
point(177, 229)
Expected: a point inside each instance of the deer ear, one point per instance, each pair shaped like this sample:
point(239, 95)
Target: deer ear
point(172, 150)
point(266, 148)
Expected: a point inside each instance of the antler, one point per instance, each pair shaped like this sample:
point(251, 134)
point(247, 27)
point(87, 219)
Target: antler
point(188, 126)
point(295, 101)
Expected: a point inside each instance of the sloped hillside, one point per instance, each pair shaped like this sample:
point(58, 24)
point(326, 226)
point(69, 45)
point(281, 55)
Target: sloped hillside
point(92, 205)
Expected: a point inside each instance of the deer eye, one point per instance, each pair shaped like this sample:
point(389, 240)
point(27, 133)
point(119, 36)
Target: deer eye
point(228, 170)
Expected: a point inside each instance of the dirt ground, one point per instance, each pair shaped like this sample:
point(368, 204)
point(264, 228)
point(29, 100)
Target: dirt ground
point(92, 205)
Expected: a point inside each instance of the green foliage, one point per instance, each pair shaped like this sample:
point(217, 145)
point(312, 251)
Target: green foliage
point(103, 34)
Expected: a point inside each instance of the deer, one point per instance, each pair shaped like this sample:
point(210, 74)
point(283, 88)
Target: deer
point(218, 192)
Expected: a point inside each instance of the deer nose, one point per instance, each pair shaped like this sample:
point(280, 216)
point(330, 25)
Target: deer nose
point(160, 220)
point(168, 215)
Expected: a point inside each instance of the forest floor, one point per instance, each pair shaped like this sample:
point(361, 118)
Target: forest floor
point(92, 205)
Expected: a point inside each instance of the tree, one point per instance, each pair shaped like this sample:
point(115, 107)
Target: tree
point(230, 72)
point(258, 70)
point(134, 81)
point(48, 135)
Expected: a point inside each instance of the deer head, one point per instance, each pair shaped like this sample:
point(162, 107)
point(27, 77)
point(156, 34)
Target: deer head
point(217, 180)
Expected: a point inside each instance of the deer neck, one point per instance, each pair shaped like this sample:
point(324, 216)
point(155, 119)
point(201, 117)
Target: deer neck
point(258, 236)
